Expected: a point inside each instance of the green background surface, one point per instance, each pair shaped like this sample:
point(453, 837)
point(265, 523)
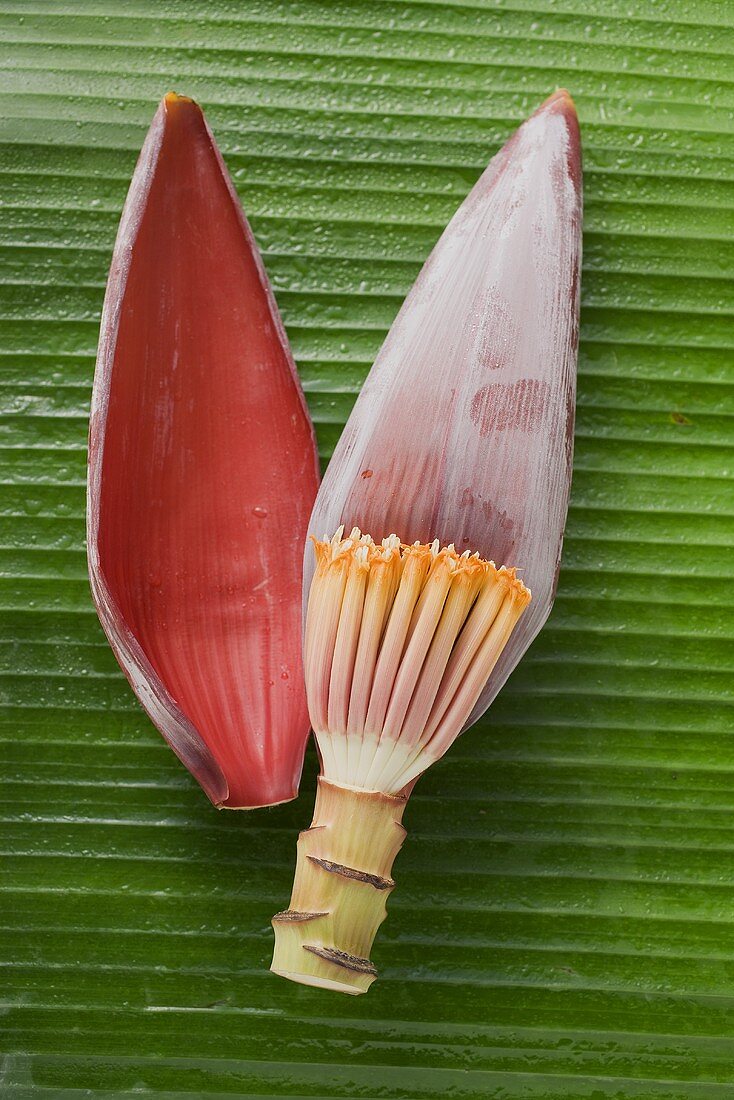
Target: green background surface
point(563, 924)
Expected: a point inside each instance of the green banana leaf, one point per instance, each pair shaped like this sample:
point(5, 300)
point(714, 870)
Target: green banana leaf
point(563, 924)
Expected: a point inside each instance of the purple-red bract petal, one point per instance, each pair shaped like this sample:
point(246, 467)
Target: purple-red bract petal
point(202, 475)
point(464, 428)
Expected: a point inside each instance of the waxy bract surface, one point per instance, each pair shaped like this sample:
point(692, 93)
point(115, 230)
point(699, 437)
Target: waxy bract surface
point(464, 428)
point(203, 472)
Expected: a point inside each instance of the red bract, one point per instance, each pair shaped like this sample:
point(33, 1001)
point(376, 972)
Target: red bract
point(202, 475)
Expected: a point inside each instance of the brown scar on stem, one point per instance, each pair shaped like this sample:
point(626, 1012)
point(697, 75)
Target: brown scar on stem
point(294, 916)
point(342, 958)
point(377, 881)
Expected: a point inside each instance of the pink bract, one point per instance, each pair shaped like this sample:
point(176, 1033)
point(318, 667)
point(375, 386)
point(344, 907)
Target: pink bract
point(463, 431)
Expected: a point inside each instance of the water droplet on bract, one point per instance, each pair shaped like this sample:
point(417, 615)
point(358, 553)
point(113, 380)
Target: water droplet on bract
point(259, 513)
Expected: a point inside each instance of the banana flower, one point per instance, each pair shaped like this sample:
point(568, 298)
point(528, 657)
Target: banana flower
point(457, 455)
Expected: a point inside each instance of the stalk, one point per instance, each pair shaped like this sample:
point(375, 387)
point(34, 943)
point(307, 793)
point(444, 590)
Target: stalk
point(342, 882)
